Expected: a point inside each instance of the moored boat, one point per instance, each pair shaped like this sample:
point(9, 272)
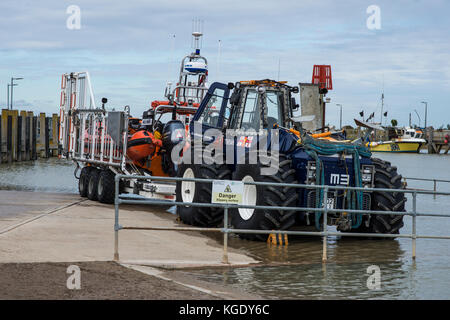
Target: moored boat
point(400, 140)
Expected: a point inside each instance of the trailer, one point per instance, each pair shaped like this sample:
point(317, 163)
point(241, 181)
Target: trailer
point(105, 142)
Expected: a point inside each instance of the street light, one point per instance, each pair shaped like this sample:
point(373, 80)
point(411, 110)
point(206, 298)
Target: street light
point(340, 115)
point(12, 89)
point(9, 90)
point(426, 107)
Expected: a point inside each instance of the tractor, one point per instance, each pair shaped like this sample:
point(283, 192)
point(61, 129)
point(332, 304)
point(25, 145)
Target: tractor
point(260, 113)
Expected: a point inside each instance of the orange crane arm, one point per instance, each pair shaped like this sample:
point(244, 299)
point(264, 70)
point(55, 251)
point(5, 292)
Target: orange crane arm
point(315, 135)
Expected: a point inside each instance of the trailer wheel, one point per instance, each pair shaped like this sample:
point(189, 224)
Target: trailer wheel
point(386, 177)
point(200, 193)
point(93, 184)
point(260, 219)
point(106, 187)
point(83, 181)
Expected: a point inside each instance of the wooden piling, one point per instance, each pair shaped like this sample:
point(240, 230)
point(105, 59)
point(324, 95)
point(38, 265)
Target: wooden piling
point(34, 138)
point(47, 137)
point(3, 135)
point(40, 135)
point(23, 133)
point(54, 135)
point(9, 145)
point(19, 139)
point(1, 138)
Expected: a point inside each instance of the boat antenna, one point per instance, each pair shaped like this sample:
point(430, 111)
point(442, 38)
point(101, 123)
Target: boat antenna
point(218, 58)
point(279, 64)
point(197, 32)
point(172, 54)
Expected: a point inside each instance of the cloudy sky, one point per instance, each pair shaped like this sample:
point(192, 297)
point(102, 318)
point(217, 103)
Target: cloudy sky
point(128, 48)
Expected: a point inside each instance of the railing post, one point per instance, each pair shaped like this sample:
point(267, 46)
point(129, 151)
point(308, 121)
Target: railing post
point(116, 219)
point(325, 220)
point(225, 236)
point(414, 225)
point(434, 188)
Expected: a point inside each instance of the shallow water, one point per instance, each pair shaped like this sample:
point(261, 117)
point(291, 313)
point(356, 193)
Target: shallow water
point(345, 275)
point(45, 175)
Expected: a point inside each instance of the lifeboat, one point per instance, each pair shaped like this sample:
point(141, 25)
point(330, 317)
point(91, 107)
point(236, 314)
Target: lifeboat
point(141, 145)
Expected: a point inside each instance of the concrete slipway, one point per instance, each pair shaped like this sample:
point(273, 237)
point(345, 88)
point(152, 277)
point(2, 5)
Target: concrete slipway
point(42, 227)
point(75, 229)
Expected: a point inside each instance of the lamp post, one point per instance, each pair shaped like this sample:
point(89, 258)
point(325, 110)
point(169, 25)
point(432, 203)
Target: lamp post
point(12, 89)
point(426, 109)
point(8, 103)
point(340, 115)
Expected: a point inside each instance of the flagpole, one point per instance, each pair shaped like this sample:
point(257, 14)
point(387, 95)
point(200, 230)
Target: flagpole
point(382, 104)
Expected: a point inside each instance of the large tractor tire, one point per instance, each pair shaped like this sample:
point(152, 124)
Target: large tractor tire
point(106, 186)
point(93, 184)
point(263, 219)
point(196, 192)
point(83, 181)
point(386, 177)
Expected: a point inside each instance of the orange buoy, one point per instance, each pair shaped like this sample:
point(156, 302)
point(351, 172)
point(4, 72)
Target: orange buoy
point(141, 145)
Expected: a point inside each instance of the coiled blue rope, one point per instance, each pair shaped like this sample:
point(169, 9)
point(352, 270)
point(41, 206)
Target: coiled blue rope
point(354, 199)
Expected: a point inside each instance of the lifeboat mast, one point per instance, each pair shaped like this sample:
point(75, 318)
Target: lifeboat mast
point(192, 82)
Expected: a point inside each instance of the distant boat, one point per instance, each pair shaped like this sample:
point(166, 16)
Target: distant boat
point(400, 140)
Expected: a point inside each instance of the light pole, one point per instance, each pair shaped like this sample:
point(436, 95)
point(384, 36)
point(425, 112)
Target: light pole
point(8, 103)
point(340, 115)
point(12, 89)
point(426, 109)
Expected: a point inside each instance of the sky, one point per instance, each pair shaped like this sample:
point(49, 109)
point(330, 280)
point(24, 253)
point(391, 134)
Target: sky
point(132, 48)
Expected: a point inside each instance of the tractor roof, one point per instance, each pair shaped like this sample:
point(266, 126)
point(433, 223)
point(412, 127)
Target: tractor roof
point(265, 82)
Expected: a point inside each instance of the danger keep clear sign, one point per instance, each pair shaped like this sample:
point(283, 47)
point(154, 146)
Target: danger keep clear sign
point(227, 191)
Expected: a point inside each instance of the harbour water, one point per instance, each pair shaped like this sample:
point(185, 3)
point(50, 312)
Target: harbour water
point(302, 275)
point(345, 275)
point(42, 175)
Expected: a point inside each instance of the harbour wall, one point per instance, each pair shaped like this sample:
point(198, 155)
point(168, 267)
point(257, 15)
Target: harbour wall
point(25, 136)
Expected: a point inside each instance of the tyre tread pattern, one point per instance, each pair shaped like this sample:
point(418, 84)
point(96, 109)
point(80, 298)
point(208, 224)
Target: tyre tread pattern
point(282, 197)
point(386, 176)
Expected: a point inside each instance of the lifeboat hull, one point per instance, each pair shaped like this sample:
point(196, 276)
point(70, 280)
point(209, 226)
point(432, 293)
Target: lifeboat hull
point(142, 145)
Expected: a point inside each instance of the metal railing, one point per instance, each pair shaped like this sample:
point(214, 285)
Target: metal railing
point(435, 181)
point(124, 199)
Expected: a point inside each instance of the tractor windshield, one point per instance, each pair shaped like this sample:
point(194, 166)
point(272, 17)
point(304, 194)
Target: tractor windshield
point(250, 116)
point(210, 115)
point(274, 108)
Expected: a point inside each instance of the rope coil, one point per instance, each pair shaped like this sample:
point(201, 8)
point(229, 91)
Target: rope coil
point(354, 199)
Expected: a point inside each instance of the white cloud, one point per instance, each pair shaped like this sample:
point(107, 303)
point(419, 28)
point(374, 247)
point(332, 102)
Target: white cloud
point(126, 47)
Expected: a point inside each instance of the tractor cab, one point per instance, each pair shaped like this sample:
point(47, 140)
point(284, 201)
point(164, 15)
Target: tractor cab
point(252, 105)
point(261, 104)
